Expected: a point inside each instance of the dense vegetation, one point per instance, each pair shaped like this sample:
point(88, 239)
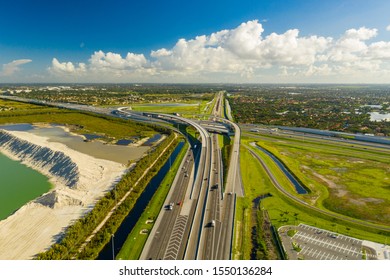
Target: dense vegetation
point(113, 94)
point(340, 108)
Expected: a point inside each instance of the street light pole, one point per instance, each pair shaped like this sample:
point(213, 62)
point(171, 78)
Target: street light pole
point(113, 250)
point(115, 195)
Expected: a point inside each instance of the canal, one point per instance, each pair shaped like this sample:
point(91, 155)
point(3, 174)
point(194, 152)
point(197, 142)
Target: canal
point(298, 187)
point(129, 222)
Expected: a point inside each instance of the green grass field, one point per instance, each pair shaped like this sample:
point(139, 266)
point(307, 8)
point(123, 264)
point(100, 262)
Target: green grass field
point(282, 210)
point(187, 109)
point(349, 180)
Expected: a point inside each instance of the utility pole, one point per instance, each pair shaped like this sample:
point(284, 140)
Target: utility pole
point(113, 250)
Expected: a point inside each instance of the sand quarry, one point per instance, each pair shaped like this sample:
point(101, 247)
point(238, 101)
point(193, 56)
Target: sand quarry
point(38, 224)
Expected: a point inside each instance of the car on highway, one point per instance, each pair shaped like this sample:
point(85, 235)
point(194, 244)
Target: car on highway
point(169, 206)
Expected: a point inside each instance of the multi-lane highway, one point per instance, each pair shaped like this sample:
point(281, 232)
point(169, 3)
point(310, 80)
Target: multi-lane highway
point(200, 225)
point(196, 221)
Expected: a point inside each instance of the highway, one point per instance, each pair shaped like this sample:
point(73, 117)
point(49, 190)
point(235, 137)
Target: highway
point(173, 222)
point(217, 232)
point(252, 129)
point(211, 228)
point(174, 235)
point(196, 221)
point(201, 226)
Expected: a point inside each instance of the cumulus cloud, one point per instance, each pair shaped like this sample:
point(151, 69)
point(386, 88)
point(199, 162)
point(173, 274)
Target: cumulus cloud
point(67, 68)
point(240, 49)
point(10, 68)
point(245, 53)
point(388, 28)
point(107, 65)
point(101, 60)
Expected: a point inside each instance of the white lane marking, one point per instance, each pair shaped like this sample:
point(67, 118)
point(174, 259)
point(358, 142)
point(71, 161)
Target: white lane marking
point(318, 254)
point(321, 241)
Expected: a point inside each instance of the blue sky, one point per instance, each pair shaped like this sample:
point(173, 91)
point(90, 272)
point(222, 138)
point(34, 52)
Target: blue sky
point(195, 41)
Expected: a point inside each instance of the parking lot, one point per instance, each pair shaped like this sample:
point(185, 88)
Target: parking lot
point(318, 244)
point(311, 243)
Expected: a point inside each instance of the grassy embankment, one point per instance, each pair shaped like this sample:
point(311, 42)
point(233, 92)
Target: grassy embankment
point(225, 145)
point(256, 184)
point(135, 242)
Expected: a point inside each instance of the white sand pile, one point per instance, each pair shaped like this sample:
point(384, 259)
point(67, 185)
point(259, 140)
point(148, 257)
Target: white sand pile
point(39, 223)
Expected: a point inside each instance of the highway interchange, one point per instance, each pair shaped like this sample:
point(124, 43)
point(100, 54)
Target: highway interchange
point(197, 219)
point(200, 224)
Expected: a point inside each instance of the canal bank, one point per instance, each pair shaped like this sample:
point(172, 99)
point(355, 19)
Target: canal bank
point(119, 237)
point(300, 189)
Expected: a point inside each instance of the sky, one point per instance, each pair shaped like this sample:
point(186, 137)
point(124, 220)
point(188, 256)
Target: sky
point(213, 41)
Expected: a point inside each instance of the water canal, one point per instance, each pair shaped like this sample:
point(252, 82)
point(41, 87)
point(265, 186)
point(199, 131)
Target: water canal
point(298, 187)
point(139, 207)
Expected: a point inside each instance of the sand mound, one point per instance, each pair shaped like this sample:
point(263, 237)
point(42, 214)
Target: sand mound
point(56, 199)
point(38, 224)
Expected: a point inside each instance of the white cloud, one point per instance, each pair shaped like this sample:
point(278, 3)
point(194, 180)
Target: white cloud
point(362, 33)
point(111, 60)
point(243, 54)
point(240, 49)
point(66, 68)
point(388, 28)
point(10, 68)
point(160, 53)
point(379, 50)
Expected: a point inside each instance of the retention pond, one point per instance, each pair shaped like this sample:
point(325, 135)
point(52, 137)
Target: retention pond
point(19, 184)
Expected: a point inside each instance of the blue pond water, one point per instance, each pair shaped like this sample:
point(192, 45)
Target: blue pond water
point(91, 136)
point(17, 127)
point(298, 187)
point(153, 139)
point(124, 142)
